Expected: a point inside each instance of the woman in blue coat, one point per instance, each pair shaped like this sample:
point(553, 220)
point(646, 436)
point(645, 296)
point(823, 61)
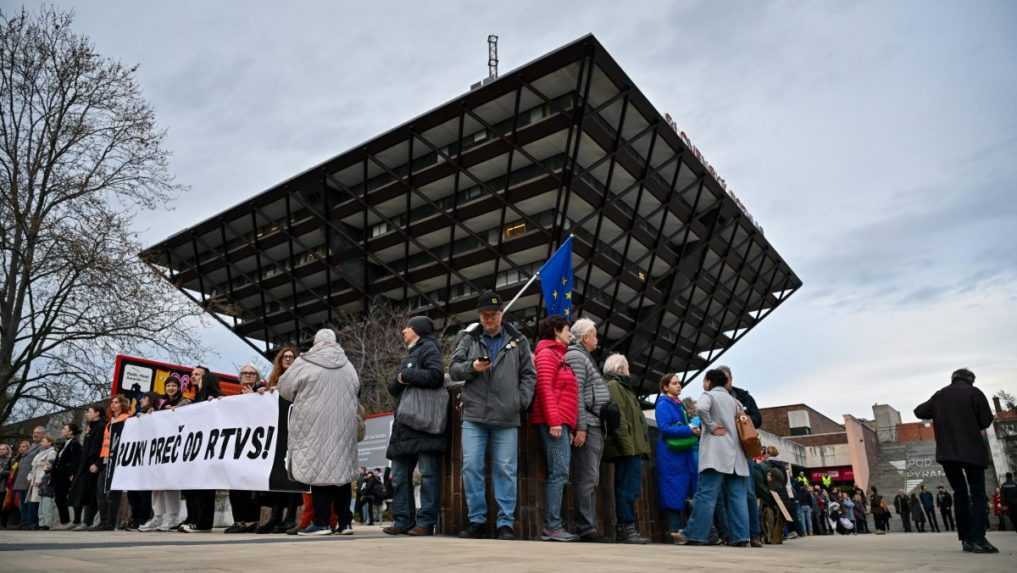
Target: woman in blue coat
point(677, 466)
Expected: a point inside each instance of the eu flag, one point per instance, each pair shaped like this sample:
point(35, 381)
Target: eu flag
point(556, 281)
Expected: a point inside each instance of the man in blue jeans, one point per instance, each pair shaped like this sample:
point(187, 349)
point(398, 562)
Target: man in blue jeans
point(495, 363)
point(419, 438)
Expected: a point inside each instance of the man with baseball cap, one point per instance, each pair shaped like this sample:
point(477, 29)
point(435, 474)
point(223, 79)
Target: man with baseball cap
point(496, 366)
point(959, 413)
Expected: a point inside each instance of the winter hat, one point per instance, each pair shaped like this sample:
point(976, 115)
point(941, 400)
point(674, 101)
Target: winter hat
point(422, 325)
point(964, 375)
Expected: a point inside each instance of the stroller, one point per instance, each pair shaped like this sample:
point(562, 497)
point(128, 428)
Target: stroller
point(839, 521)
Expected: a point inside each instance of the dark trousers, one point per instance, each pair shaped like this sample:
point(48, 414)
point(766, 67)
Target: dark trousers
point(947, 514)
point(5, 514)
point(244, 506)
point(969, 501)
point(628, 480)
point(60, 498)
point(141, 506)
point(284, 503)
point(906, 520)
point(107, 503)
point(930, 515)
point(1013, 515)
point(328, 498)
point(920, 525)
point(200, 507)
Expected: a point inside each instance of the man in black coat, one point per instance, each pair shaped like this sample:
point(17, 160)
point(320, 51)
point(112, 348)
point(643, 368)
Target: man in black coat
point(902, 505)
point(959, 413)
point(944, 501)
point(410, 448)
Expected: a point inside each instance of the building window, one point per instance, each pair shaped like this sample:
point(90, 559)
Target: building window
point(515, 230)
point(379, 229)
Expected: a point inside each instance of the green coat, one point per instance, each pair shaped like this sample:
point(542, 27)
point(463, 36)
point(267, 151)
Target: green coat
point(631, 438)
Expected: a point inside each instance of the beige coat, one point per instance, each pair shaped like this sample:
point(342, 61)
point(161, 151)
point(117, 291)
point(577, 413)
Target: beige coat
point(42, 462)
point(323, 387)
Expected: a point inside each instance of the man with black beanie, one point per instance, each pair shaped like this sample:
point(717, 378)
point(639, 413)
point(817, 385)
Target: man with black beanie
point(959, 413)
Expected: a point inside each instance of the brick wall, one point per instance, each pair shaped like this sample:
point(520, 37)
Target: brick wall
point(915, 432)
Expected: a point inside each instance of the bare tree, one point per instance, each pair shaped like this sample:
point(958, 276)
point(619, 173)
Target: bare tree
point(374, 345)
point(80, 153)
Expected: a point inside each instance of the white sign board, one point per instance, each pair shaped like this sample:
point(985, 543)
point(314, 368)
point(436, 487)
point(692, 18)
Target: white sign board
point(237, 442)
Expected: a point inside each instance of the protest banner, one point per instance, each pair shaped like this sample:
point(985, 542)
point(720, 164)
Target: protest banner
point(237, 442)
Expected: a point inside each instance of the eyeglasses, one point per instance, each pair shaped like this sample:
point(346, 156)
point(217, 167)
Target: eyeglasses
point(248, 373)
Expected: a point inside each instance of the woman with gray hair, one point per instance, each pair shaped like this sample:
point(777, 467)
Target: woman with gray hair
point(322, 448)
point(626, 447)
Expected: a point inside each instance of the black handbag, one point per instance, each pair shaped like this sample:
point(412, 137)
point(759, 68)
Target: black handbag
point(610, 417)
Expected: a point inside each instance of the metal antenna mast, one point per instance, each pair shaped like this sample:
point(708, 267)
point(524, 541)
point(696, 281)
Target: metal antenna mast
point(492, 56)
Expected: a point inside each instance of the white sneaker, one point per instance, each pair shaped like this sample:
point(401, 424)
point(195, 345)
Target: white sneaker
point(150, 525)
point(347, 531)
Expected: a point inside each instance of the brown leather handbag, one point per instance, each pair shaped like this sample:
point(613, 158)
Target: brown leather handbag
point(748, 437)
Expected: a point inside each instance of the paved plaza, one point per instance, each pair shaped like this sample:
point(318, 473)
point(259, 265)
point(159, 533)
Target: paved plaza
point(371, 551)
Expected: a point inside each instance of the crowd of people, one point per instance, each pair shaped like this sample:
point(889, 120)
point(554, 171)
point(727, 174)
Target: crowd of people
point(710, 491)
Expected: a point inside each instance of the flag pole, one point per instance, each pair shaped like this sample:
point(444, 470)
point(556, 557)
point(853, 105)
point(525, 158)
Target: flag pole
point(535, 276)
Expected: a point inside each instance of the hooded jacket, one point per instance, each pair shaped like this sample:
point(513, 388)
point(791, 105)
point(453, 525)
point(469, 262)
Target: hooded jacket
point(631, 437)
point(323, 387)
point(499, 395)
point(422, 368)
point(555, 402)
point(959, 412)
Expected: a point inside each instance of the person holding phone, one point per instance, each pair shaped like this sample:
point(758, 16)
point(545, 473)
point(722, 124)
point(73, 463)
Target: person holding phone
point(496, 366)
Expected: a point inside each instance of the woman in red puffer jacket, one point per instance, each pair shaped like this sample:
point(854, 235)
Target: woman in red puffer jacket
point(555, 409)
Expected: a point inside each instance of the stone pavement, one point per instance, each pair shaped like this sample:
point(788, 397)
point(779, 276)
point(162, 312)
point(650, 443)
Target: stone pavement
point(370, 550)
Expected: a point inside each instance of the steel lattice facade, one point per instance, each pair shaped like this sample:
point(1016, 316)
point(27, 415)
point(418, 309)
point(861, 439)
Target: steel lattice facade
point(475, 195)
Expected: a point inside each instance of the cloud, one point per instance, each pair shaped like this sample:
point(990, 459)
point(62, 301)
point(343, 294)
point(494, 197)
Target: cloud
point(874, 142)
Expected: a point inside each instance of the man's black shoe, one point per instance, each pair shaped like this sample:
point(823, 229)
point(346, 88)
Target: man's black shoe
point(505, 533)
point(473, 531)
point(966, 547)
point(983, 547)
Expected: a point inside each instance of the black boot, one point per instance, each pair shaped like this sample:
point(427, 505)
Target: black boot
point(629, 535)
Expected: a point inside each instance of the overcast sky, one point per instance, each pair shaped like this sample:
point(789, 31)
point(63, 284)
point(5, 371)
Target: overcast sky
point(876, 142)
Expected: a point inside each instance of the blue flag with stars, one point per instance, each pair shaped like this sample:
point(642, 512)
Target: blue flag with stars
point(556, 281)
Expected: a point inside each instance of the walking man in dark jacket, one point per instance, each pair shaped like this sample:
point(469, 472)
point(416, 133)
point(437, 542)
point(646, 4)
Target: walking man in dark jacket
point(929, 506)
point(495, 364)
point(902, 505)
point(959, 413)
point(944, 501)
point(411, 447)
